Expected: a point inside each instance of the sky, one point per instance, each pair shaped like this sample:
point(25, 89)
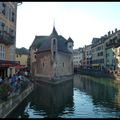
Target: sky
point(82, 21)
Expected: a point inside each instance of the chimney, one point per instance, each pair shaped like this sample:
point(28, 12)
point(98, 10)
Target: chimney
point(115, 29)
point(109, 33)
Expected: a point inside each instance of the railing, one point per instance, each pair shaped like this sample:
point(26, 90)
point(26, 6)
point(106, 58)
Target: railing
point(6, 38)
point(114, 43)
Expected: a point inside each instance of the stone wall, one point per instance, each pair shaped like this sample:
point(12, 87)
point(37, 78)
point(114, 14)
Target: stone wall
point(45, 66)
point(9, 105)
point(64, 64)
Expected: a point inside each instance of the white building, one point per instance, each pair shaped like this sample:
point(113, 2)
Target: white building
point(77, 57)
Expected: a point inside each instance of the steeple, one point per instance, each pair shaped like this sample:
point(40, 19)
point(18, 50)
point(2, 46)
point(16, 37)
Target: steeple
point(54, 32)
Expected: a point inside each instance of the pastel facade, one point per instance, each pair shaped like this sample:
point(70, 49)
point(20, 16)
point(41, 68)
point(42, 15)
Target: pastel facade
point(22, 55)
point(8, 14)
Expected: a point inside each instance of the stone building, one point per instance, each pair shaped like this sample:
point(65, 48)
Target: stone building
point(8, 14)
point(53, 57)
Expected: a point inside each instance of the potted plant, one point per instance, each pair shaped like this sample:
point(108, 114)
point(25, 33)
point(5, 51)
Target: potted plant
point(5, 90)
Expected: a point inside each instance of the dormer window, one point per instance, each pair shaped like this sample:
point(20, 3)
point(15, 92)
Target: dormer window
point(70, 46)
point(54, 41)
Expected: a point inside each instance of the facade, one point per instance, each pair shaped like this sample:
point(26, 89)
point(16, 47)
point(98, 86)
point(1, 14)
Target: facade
point(77, 57)
point(8, 14)
point(98, 52)
point(105, 51)
point(22, 55)
point(87, 57)
point(53, 57)
point(112, 51)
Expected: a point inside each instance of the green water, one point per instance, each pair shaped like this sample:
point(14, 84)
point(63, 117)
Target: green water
point(91, 98)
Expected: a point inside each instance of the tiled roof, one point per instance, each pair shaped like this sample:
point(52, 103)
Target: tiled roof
point(22, 51)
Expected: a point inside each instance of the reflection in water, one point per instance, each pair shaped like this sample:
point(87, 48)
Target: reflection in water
point(104, 92)
point(49, 99)
point(53, 98)
point(90, 98)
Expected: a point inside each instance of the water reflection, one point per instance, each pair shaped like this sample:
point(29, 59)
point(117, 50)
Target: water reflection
point(103, 91)
point(53, 98)
point(49, 100)
point(89, 98)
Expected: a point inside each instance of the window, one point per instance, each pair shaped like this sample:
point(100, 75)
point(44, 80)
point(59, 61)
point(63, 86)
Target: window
point(70, 46)
point(4, 6)
point(54, 41)
point(63, 64)
point(2, 52)
point(54, 53)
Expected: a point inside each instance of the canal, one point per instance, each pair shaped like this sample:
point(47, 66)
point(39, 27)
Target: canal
point(89, 97)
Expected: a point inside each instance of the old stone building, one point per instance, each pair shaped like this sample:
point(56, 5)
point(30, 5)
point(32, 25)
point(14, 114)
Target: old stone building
point(53, 57)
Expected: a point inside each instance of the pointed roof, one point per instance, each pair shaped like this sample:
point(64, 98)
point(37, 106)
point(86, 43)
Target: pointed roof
point(54, 32)
point(70, 40)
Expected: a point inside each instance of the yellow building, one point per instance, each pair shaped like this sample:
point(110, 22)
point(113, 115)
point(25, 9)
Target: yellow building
point(22, 55)
point(8, 14)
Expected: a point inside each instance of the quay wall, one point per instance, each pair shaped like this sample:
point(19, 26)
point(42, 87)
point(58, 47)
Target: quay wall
point(8, 106)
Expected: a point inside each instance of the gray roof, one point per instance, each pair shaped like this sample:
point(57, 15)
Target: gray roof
point(43, 43)
point(38, 41)
point(22, 51)
point(62, 44)
point(70, 40)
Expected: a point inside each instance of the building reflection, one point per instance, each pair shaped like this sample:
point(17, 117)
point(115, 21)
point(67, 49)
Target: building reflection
point(102, 90)
point(52, 98)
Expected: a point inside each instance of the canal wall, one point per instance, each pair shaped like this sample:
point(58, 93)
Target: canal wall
point(8, 106)
point(95, 73)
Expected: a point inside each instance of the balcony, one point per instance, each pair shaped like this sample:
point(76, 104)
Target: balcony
point(113, 43)
point(6, 38)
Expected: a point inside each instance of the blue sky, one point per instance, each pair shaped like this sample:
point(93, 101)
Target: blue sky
point(80, 20)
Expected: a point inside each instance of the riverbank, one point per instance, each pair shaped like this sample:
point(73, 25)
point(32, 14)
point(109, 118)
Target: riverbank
point(98, 73)
point(12, 102)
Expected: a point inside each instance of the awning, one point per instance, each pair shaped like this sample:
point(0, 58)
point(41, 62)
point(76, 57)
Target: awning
point(19, 66)
point(6, 63)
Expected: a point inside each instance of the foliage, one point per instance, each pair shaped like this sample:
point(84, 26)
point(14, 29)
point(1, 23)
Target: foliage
point(4, 88)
